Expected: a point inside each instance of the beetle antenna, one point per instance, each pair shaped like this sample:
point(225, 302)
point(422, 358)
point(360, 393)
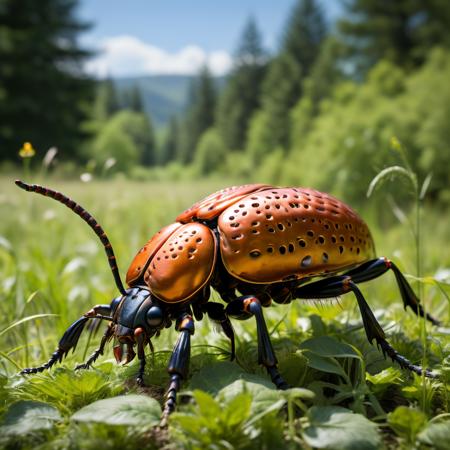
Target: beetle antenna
point(77, 209)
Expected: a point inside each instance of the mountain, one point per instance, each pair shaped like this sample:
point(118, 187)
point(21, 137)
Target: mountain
point(163, 95)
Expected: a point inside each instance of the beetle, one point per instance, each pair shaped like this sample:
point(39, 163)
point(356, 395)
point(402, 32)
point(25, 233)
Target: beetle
point(254, 244)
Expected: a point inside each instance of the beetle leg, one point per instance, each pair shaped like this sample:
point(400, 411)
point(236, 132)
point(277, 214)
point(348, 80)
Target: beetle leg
point(376, 267)
point(338, 285)
point(179, 363)
point(106, 337)
point(140, 337)
point(245, 307)
point(216, 312)
point(70, 338)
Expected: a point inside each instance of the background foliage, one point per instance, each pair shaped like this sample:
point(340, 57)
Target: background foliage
point(335, 105)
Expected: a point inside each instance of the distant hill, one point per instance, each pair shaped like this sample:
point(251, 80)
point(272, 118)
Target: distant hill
point(163, 95)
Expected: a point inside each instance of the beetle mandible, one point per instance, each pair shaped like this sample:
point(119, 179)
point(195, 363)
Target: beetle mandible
point(253, 244)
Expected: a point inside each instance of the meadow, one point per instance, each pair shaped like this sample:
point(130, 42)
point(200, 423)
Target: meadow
point(344, 393)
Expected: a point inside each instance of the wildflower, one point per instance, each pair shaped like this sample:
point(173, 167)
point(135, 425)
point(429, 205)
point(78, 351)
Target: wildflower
point(49, 156)
point(27, 150)
point(86, 177)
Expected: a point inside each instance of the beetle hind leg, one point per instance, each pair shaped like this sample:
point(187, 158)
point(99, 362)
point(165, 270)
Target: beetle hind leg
point(338, 285)
point(377, 267)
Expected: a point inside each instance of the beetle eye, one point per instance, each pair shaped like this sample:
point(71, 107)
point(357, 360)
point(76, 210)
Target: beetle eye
point(154, 316)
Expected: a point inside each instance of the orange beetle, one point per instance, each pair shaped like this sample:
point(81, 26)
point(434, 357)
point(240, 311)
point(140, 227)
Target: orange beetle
point(253, 244)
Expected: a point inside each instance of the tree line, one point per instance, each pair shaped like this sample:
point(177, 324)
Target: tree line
point(319, 110)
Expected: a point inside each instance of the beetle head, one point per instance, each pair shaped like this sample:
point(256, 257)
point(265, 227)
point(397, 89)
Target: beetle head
point(139, 308)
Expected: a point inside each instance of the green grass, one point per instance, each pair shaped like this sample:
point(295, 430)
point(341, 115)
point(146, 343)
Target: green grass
point(53, 269)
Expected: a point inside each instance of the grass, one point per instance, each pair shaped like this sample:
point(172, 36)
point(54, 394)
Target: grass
point(52, 270)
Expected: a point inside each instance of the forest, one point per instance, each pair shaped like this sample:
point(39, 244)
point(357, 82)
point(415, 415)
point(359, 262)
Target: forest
point(358, 107)
point(321, 111)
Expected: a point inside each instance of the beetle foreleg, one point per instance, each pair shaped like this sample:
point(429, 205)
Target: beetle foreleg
point(216, 312)
point(179, 363)
point(91, 360)
point(140, 337)
point(70, 339)
point(245, 307)
point(338, 285)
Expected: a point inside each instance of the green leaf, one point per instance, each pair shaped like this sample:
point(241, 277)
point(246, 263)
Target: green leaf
point(437, 435)
point(407, 422)
point(214, 377)
point(138, 410)
point(238, 409)
point(25, 319)
point(263, 397)
point(383, 380)
point(206, 404)
point(26, 416)
point(322, 350)
point(389, 173)
point(328, 365)
point(332, 427)
point(327, 346)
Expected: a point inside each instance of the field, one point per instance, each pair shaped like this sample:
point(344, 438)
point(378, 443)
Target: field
point(345, 394)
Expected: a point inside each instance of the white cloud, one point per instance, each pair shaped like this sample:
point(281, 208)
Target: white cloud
point(126, 55)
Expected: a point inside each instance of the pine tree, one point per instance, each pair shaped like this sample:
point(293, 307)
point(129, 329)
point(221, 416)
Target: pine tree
point(282, 86)
point(171, 142)
point(242, 92)
point(136, 103)
point(400, 31)
point(305, 32)
point(42, 87)
point(200, 114)
point(106, 102)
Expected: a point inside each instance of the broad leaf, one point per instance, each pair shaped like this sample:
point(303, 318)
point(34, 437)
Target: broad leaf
point(263, 397)
point(328, 346)
point(329, 365)
point(137, 410)
point(437, 435)
point(407, 422)
point(214, 377)
point(26, 416)
point(338, 428)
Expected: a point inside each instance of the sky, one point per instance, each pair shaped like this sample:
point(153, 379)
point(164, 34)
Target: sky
point(149, 37)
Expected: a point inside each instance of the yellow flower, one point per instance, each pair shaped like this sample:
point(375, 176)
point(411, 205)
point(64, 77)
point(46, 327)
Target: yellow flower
point(27, 150)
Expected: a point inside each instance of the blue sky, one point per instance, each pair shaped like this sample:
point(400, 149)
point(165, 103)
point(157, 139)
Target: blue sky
point(141, 37)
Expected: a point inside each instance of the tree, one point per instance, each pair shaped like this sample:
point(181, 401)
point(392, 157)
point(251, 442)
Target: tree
point(282, 86)
point(171, 142)
point(319, 85)
point(43, 88)
point(242, 92)
point(133, 99)
point(400, 31)
point(305, 32)
point(106, 102)
point(210, 152)
point(200, 115)
point(128, 138)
